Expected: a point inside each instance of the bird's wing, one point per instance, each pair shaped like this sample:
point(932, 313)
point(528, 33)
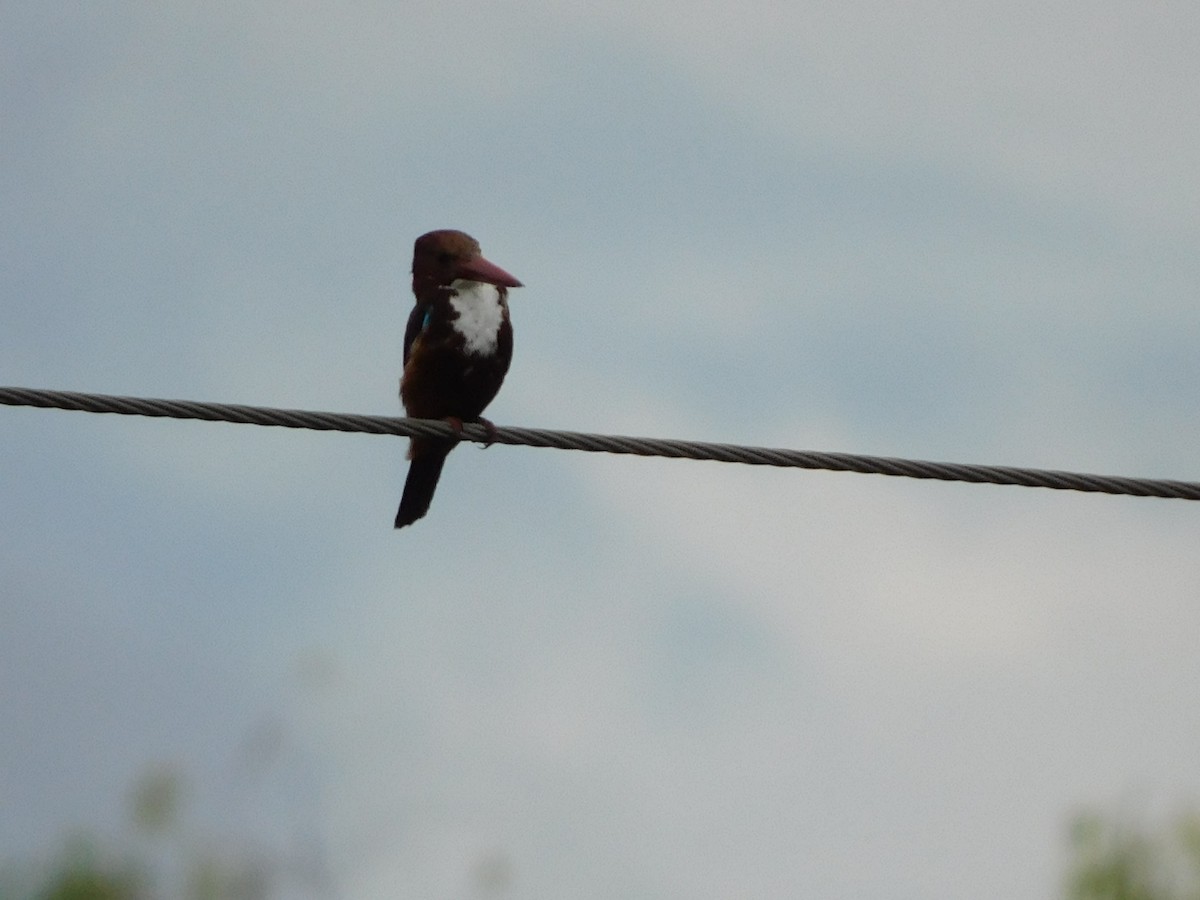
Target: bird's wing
point(417, 320)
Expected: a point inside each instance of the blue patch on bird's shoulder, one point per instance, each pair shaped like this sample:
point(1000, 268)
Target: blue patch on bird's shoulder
point(425, 321)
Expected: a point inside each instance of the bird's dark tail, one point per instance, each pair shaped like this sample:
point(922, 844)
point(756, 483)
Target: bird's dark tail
point(428, 456)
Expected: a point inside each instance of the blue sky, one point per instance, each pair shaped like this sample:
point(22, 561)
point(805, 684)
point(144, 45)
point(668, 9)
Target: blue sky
point(932, 230)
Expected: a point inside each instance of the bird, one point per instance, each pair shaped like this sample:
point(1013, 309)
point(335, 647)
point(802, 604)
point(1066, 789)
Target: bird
point(457, 348)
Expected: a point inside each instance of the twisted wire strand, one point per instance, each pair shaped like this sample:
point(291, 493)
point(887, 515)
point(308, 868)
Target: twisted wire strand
point(602, 443)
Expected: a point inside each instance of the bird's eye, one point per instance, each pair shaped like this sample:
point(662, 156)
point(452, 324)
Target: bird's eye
point(445, 258)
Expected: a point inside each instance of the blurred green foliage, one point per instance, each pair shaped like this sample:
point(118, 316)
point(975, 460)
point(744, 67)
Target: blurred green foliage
point(1114, 859)
point(155, 801)
point(85, 871)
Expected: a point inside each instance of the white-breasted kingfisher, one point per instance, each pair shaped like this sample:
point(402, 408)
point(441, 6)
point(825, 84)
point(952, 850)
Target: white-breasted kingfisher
point(457, 348)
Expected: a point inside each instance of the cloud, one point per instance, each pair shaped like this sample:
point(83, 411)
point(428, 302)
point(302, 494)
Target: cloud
point(1054, 97)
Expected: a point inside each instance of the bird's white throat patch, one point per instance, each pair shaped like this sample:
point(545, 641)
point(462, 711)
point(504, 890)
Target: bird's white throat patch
point(480, 313)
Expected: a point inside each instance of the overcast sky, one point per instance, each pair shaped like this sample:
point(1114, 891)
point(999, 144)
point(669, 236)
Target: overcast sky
point(946, 231)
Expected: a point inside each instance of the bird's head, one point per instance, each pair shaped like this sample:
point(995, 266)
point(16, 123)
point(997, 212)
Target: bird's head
point(444, 256)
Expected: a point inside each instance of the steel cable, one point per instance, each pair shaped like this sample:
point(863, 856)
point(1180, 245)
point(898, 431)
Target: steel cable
point(602, 443)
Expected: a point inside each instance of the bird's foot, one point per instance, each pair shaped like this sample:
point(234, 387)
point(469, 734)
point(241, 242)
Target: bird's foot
point(492, 432)
point(490, 428)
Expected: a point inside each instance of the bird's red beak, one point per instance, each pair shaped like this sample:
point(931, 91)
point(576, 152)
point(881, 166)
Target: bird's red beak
point(479, 269)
